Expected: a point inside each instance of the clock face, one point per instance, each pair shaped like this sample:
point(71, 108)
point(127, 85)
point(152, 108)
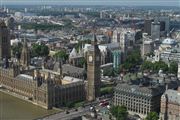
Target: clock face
point(90, 58)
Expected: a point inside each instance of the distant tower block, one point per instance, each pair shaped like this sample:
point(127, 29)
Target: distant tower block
point(93, 71)
point(155, 30)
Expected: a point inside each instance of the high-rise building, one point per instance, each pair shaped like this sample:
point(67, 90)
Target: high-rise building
point(116, 58)
point(155, 30)
point(164, 24)
point(4, 41)
point(147, 26)
point(116, 36)
point(147, 46)
point(93, 71)
point(124, 46)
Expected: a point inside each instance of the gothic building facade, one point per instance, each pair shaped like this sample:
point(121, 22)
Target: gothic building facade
point(42, 87)
point(48, 88)
point(93, 71)
point(4, 41)
point(25, 55)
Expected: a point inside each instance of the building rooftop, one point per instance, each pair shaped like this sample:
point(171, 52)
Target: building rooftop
point(141, 90)
point(148, 86)
point(24, 77)
point(68, 80)
point(69, 69)
point(169, 41)
point(173, 96)
point(103, 47)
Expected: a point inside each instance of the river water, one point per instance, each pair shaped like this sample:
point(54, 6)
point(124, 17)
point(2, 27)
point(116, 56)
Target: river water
point(12, 108)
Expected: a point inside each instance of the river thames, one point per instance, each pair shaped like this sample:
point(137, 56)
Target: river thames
point(12, 108)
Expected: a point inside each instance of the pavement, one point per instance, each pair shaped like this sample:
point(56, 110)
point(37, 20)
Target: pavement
point(72, 114)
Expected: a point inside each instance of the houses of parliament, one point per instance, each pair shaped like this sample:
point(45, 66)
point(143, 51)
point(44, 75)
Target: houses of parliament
point(44, 87)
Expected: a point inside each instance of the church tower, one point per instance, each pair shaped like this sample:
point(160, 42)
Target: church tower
point(4, 41)
point(93, 71)
point(25, 55)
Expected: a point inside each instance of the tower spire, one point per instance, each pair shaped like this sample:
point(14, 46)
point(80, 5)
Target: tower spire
point(60, 67)
point(25, 57)
point(94, 40)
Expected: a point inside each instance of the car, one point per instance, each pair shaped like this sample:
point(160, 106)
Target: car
point(104, 104)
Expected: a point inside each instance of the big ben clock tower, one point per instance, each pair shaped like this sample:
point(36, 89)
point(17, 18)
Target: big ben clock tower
point(93, 71)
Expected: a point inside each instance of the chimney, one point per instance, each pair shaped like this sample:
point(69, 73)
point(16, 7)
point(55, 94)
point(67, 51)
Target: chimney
point(178, 89)
point(36, 74)
point(166, 86)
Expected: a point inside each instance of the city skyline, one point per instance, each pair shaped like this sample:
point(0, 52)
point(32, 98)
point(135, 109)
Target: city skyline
point(94, 2)
point(90, 59)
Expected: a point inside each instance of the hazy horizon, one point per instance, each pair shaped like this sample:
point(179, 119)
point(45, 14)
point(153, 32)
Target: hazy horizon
point(94, 2)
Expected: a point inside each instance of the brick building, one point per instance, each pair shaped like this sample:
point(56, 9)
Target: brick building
point(170, 105)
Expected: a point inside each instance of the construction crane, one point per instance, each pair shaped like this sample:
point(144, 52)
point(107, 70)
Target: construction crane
point(170, 33)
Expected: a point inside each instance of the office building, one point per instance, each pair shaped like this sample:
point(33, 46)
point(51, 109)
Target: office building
point(155, 30)
point(170, 105)
point(143, 95)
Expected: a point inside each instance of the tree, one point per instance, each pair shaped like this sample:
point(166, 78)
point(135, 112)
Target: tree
point(111, 72)
point(160, 65)
point(173, 68)
point(69, 104)
point(61, 54)
point(150, 54)
point(39, 50)
point(127, 65)
point(147, 65)
point(106, 90)
point(119, 112)
point(132, 60)
point(152, 116)
point(82, 62)
point(16, 50)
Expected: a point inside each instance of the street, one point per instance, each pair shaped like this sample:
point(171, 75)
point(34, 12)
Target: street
point(72, 114)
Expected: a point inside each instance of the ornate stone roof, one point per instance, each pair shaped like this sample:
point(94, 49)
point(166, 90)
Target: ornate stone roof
point(2, 23)
point(69, 69)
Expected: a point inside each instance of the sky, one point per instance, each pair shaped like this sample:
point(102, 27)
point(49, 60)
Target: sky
point(95, 2)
